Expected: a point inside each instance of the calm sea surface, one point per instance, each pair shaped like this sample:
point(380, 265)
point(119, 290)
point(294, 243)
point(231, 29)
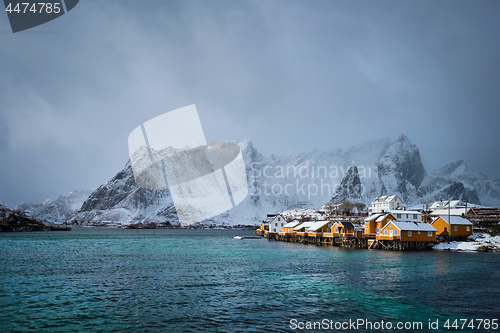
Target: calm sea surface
point(114, 280)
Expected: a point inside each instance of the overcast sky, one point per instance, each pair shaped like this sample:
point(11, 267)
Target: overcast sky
point(289, 75)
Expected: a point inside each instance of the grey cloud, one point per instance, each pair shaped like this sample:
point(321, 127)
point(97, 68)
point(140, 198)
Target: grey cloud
point(288, 75)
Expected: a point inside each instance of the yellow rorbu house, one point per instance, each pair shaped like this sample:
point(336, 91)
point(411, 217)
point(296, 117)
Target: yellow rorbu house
point(375, 223)
point(318, 228)
point(288, 228)
point(301, 229)
point(264, 228)
point(460, 227)
point(343, 228)
point(408, 232)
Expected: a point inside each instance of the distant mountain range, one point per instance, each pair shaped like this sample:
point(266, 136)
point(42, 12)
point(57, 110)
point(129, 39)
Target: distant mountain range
point(289, 181)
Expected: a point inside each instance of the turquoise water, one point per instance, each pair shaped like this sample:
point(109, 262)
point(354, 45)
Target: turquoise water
point(114, 280)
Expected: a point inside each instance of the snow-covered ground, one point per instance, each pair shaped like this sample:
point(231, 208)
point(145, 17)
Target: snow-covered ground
point(476, 241)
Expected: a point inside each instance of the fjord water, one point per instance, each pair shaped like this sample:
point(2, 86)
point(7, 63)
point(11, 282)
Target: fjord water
point(115, 280)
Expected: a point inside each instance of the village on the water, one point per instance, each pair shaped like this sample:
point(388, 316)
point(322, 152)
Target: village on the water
point(387, 224)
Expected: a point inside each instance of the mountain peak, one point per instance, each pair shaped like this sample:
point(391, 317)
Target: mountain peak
point(453, 169)
point(402, 137)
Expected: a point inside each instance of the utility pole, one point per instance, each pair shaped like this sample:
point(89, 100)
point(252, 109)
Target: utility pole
point(449, 219)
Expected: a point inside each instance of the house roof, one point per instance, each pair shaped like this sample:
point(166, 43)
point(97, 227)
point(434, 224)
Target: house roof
point(372, 217)
point(276, 216)
point(303, 225)
point(452, 203)
point(455, 220)
point(292, 224)
point(411, 226)
point(385, 198)
point(346, 224)
point(317, 225)
point(382, 217)
point(453, 211)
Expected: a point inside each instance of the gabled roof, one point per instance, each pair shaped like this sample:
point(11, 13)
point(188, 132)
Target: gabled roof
point(386, 198)
point(383, 216)
point(317, 225)
point(452, 211)
point(372, 217)
point(411, 226)
point(304, 225)
point(455, 220)
point(452, 203)
point(292, 224)
point(346, 224)
point(277, 215)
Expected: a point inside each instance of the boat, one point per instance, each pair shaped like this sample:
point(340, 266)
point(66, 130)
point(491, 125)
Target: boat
point(247, 237)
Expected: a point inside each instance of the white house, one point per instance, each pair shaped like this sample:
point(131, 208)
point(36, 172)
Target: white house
point(277, 223)
point(407, 215)
point(386, 202)
point(444, 204)
point(451, 211)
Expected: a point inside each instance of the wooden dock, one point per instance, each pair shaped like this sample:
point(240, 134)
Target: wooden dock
point(348, 241)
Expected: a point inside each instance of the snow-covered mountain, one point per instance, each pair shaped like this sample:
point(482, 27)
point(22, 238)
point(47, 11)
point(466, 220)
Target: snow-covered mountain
point(456, 180)
point(302, 180)
point(61, 209)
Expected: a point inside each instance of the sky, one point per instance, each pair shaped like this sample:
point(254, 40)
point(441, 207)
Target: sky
point(290, 76)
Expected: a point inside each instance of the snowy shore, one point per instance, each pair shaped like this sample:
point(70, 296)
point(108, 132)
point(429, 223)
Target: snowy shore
point(476, 242)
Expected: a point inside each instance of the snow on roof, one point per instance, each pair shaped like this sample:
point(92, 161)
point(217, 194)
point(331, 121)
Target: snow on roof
point(453, 203)
point(385, 198)
point(317, 225)
point(291, 224)
point(455, 220)
point(303, 225)
point(411, 226)
point(372, 217)
point(382, 217)
point(453, 211)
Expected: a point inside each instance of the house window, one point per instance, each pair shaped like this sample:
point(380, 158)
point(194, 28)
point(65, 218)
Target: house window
point(390, 232)
point(468, 228)
point(377, 230)
point(385, 232)
point(429, 233)
point(281, 224)
point(406, 215)
point(395, 232)
point(419, 232)
point(414, 216)
point(409, 233)
point(398, 216)
point(279, 219)
point(454, 228)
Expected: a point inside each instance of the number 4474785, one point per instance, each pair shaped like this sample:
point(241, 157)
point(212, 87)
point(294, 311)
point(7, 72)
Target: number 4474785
point(39, 7)
point(472, 323)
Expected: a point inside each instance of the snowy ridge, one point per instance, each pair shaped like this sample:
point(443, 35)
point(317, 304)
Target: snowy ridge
point(63, 208)
point(307, 180)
